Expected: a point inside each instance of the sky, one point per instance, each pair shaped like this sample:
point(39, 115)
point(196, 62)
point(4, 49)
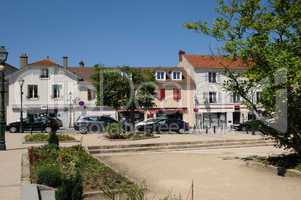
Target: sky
point(109, 32)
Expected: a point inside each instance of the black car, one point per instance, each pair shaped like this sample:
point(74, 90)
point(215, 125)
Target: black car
point(85, 124)
point(251, 125)
point(35, 124)
point(164, 125)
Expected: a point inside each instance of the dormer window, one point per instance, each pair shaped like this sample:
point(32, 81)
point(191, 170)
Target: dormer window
point(44, 73)
point(160, 76)
point(176, 75)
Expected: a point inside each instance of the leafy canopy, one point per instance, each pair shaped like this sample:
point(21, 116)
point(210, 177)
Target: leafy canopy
point(266, 35)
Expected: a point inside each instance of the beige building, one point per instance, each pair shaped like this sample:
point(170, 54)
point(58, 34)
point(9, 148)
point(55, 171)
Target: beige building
point(175, 92)
point(213, 105)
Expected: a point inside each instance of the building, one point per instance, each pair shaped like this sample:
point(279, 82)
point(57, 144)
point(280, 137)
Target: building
point(213, 106)
point(51, 88)
point(175, 89)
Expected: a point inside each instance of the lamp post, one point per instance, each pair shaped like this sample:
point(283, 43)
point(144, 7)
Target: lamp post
point(3, 58)
point(21, 82)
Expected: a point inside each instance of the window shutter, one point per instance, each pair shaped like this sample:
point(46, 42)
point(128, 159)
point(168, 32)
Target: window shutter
point(176, 94)
point(162, 94)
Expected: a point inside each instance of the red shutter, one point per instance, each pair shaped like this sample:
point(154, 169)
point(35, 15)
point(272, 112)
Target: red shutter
point(176, 94)
point(162, 94)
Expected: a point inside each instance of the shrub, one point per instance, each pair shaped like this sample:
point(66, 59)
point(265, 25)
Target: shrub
point(114, 128)
point(41, 137)
point(71, 188)
point(49, 174)
point(53, 139)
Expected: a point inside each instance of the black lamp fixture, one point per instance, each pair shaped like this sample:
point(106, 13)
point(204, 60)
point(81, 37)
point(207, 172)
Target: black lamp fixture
point(21, 83)
point(3, 58)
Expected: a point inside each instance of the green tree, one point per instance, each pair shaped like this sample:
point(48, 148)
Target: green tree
point(125, 87)
point(266, 36)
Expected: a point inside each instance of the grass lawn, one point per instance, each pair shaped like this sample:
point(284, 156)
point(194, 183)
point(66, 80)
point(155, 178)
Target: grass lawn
point(43, 137)
point(95, 175)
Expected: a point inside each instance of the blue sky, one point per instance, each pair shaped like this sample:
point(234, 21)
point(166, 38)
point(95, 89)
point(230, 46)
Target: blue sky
point(111, 32)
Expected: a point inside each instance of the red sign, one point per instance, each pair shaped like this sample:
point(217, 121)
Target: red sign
point(236, 107)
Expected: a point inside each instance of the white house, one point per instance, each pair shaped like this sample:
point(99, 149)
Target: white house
point(53, 89)
point(214, 106)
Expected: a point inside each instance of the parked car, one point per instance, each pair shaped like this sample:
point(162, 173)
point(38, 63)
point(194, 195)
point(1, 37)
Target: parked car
point(246, 126)
point(163, 125)
point(41, 123)
point(85, 124)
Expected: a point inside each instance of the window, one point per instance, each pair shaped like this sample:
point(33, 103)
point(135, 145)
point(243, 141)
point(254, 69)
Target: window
point(56, 91)
point(32, 91)
point(160, 75)
point(176, 75)
point(176, 94)
point(212, 77)
point(44, 73)
point(91, 95)
point(162, 94)
point(236, 98)
point(212, 97)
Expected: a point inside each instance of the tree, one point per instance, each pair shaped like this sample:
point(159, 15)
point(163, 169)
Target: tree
point(265, 36)
point(125, 87)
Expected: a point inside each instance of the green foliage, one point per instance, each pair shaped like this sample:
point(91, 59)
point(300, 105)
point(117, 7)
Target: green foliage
point(71, 188)
point(114, 128)
point(42, 137)
point(75, 164)
point(124, 87)
point(53, 139)
point(265, 35)
point(48, 173)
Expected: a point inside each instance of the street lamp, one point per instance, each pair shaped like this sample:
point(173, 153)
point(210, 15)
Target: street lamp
point(21, 83)
point(3, 58)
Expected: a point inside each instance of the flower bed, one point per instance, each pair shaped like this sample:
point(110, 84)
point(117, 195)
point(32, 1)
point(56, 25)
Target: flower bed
point(51, 166)
point(129, 136)
point(43, 137)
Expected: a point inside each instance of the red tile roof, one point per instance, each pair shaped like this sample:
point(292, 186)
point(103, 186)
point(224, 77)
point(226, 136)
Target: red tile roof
point(204, 61)
point(45, 62)
point(83, 72)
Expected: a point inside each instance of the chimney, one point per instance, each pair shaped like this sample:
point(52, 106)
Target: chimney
point(23, 60)
point(81, 64)
point(181, 54)
point(65, 61)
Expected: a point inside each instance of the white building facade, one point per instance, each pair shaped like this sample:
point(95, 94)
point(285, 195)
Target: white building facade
point(213, 105)
point(50, 88)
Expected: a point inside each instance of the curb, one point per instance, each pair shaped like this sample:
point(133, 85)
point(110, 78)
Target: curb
point(289, 172)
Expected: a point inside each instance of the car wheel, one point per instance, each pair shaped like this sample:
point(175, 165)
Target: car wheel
point(13, 129)
point(181, 131)
point(83, 130)
point(48, 129)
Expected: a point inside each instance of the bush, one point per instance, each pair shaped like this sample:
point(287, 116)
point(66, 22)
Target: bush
point(115, 131)
point(49, 174)
point(53, 139)
point(43, 137)
point(114, 128)
point(71, 188)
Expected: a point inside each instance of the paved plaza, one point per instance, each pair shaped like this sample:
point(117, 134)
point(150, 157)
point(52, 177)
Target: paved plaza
point(217, 174)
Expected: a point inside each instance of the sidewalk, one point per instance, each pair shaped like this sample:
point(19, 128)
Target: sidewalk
point(100, 140)
point(10, 167)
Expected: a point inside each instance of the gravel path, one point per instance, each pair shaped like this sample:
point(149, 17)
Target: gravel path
point(217, 175)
